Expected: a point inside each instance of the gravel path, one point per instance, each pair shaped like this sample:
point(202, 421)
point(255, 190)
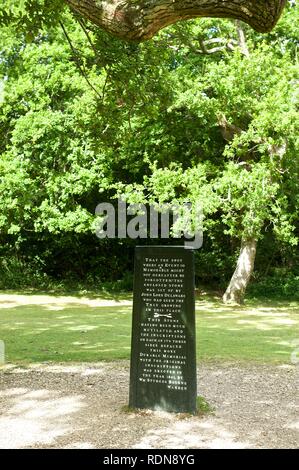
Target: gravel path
point(81, 406)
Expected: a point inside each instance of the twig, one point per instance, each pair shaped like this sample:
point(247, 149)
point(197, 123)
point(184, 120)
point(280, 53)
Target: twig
point(81, 69)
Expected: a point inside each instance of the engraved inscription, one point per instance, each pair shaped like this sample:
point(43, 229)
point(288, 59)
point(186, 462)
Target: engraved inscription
point(162, 334)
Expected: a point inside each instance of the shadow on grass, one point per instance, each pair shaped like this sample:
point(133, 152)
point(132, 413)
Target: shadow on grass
point(75, 332)
point(37, 334)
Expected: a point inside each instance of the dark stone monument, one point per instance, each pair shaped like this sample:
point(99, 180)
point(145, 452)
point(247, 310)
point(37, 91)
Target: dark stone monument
point(163, 356)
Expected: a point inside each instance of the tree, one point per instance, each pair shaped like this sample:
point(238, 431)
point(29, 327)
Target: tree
point(67, 119)
point(138, 20)
point(194, 114)
point(248, 90)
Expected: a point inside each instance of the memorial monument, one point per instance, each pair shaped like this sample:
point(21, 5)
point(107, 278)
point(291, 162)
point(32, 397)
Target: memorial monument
point(163, 353)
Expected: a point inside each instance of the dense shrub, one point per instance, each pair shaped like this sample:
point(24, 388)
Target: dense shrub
point(279, 285)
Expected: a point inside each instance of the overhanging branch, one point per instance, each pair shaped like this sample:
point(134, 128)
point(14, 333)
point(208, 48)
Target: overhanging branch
point(138, 20)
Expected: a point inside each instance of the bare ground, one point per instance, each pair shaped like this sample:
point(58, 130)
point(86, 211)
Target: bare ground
point(82, 406)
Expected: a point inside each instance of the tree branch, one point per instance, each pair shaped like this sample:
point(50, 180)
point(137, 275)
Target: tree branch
point(138, 20)
point(242, 39)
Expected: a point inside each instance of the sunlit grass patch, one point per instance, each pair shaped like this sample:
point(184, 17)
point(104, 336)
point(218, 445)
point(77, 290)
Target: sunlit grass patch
point(82, 332)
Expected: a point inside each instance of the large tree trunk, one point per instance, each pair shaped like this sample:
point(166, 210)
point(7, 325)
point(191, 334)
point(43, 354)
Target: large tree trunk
point(139, 20)
point(240, 279)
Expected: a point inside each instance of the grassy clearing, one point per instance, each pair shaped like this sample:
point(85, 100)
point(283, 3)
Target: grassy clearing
point(60, 329)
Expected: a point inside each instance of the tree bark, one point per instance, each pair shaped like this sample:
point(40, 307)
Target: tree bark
point(138, 20)
point(242, 39)
point(240, 279)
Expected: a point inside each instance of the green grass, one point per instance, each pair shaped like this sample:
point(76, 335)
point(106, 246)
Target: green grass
point(256, 332)
point(64, 330)
point(203, 407)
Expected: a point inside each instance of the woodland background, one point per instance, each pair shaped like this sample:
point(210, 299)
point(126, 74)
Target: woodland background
point(205, 111)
